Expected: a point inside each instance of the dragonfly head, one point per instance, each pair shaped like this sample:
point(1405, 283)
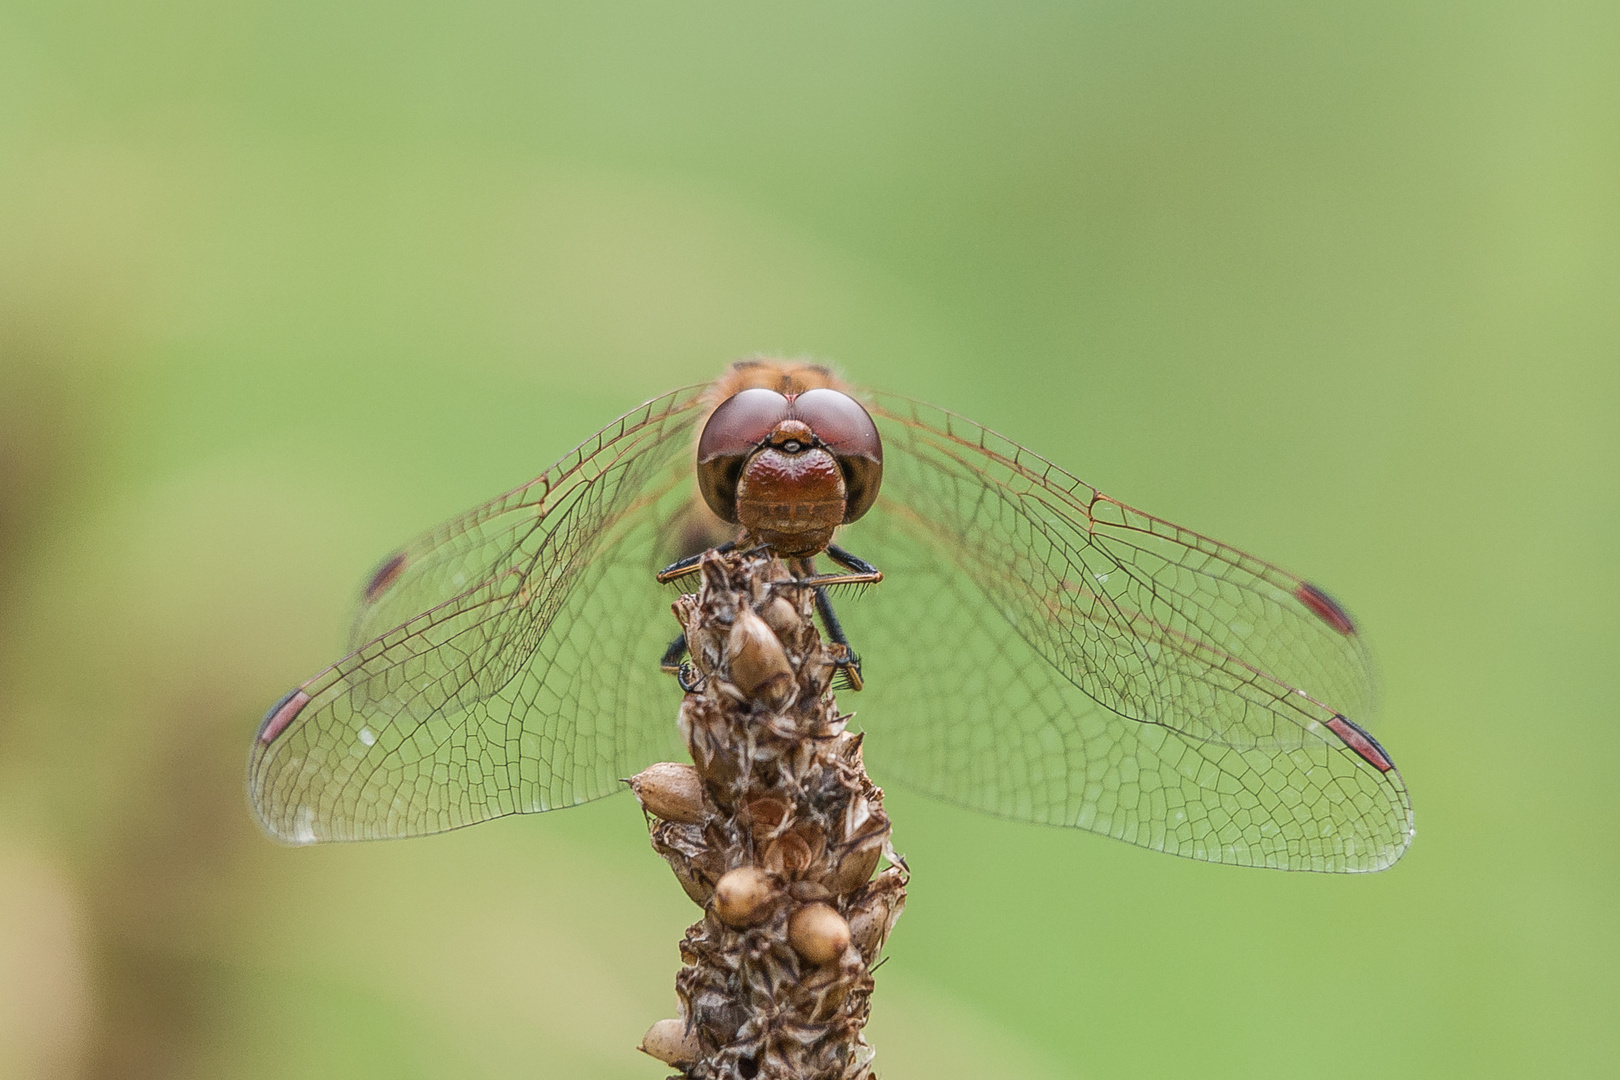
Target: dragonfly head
point(790, 468)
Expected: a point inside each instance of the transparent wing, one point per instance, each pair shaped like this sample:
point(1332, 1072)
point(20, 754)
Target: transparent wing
point(507, 662)
point(1067, 659)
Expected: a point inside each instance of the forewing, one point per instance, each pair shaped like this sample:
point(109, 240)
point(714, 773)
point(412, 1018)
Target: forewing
point(1040, 651)
point(507, 662)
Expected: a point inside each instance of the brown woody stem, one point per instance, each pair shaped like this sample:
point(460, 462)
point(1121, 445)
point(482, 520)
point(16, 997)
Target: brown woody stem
point(776, 833)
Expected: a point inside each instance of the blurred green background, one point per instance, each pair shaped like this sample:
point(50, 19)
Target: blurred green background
point(282, 284)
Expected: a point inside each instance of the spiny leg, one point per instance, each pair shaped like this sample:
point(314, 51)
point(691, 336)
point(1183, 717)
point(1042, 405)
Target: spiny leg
point(681, 567)
point(854, 563)
point(851, 665)
point(861, 572)
point(674, 664)
point(671, 662)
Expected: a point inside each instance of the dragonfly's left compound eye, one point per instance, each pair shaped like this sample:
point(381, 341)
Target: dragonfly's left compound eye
point(846, 430)
point(734, 431)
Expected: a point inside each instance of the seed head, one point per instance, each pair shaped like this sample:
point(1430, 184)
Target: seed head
point(773, 983)
point(672, 792)
point(743, 896)
point(759, 666)
point(872, 917)
point(767, 812)
point(782, 617)
point(818, 933)
point(855, 869)
point(697, 864)
point(788, 855)
point(671, 1043)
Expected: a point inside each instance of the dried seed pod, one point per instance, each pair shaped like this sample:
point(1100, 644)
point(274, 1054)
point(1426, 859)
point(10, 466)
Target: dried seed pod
point(696, 889)
point(671, 1043)
point(686, 613)
point(805, 891)
point(766, 812)
point(858, 812)
point(866, 928)
point(703, 727)
point(787, 856)
point(869, 925)
point(865, 828)
point(782, 617)
point(703, 644)
point(873, 916)
point(759, 666)
point(855, 869)
point(813, 838)
point(672, 792)
point(695, 863)
point(743, 896)
point(818, 933)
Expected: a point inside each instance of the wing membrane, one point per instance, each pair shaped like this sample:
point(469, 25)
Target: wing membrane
point(505, 662)
point(1071, 660)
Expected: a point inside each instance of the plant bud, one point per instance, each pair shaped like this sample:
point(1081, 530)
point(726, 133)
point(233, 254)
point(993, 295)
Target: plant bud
point(693, 885)
point(869, 925)
point(672, 792)
point(787, 855)
point(671, 1043)
point(818, 934)
point(767, 812)
point(743, 896)
point(782, 617)
point(873, 916)
point(806, 891)
point(695, 863)
point(701, 645)
point(855, 869)
point(865, 830)
point(759, 666)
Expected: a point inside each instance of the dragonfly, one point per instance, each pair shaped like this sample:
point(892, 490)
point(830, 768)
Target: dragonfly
point(1037, 650)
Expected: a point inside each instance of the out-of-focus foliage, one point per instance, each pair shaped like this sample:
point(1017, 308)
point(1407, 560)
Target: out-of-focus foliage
point(283, 283)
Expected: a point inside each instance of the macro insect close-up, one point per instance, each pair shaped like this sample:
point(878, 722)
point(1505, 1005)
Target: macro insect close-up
point(1055, 656)
point(1048, 541)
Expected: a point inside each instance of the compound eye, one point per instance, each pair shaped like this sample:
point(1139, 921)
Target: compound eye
point(847, 432)
point(735, 429)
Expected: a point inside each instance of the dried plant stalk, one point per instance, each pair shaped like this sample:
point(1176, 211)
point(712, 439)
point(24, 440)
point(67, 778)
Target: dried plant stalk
point(776, 832)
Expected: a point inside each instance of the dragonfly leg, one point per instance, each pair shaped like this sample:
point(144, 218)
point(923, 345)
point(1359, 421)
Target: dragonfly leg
point(674, 663)
point(853, 563)
point(849, 663)
point(860, 572)
point(671, 662)
point(681, 567)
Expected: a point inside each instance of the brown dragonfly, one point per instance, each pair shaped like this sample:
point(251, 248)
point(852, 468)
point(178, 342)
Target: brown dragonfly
point(1038, 650)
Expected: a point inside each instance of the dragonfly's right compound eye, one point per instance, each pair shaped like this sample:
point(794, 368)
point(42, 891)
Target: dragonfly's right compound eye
point(734, 431)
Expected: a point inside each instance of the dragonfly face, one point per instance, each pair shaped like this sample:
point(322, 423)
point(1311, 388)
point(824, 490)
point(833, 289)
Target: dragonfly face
point(790, 468)
point(1038, 650)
